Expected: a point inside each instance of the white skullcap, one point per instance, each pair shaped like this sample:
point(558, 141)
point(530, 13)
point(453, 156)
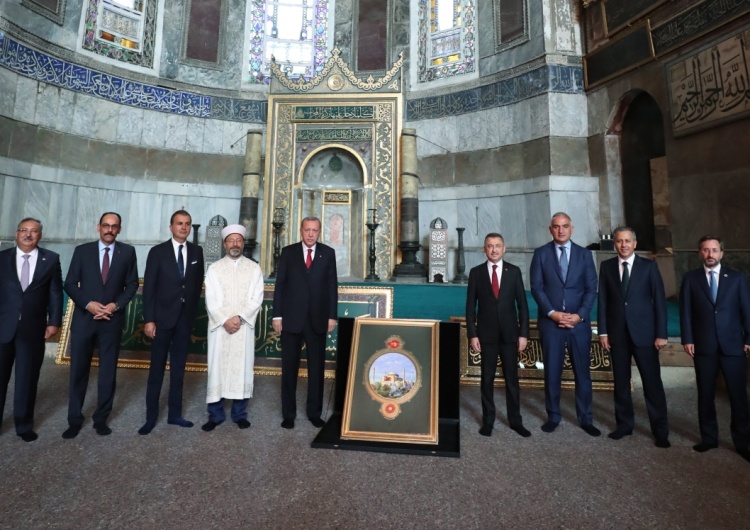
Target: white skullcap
point(233, 229)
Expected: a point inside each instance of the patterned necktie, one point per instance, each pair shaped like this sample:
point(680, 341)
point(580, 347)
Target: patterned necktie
point(495, 283)
point(180, 263)
point(105, 265)
point(308, 261)
point(713, 286)
point(25, 272)
point(625, 277)
point(563, 262)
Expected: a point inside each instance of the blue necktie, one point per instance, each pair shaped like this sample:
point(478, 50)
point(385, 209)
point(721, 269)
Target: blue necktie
point(712, 285)
point(180, 263)
point(563, 263)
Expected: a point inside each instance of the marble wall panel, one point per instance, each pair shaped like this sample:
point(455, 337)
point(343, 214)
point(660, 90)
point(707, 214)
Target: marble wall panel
point(233, 138)
point(6, 129)
point(22, 142)
point(194, 135)
point(144, 218)
point(537, 218)
point(38, 197)
point(8, 82)
point(539, 116)
point(65, 110)
point(26, 97)
point(59, 222)
point(213, 136)
point(440, 134)
point(131, 161)
point(177, 129)
point(106, 125)
point(569, 156)
point(513, 220)
point(48, 146)
point(568, 115)
point(12, 205)
point(48, 103)
point(478, 130)
point(467, 211)
point(129, 125)
point(154, 129)
point(84, 115)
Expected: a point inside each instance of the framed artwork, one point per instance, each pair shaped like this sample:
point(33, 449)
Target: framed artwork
point(392, 385)
point(135, 346)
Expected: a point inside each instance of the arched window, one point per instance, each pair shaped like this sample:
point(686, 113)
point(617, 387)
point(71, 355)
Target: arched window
point(446, 38)
point(295, 32)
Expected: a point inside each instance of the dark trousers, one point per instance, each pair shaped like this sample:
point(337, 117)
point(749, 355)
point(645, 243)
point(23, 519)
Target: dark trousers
point(733, 368)
point(647, 361)
point(173, 343)
point(553, 341)
point(291, 348)
point(106, 336)
point(28, 354)
point(509, 356)
point(216, 410)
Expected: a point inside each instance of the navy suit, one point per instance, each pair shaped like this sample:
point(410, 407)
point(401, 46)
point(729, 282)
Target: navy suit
point(84, 284)
point(633, 320)
point(24, 317)
point(574, 294)
point(171, 303)
point(719, 331)
point(305, 299)
point(498, 323)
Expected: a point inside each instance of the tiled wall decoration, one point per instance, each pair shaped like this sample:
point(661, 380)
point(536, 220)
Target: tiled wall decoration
point(45, 68)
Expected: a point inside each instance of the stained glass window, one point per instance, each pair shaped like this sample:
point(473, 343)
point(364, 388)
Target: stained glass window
point(446, 38)
point(120, 23)
point(295, 32)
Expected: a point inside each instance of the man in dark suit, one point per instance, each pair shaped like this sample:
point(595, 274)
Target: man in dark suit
point(715, 325)
point(30, 311)
point(305, 309)
point(632, 323)
point(499, 326)
point(563, 283)
point(101, 280)
point(171, 291)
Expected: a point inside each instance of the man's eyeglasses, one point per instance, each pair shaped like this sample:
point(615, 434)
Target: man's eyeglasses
point(29, 231)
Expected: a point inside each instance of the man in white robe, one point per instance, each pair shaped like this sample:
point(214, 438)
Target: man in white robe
point(234, 294)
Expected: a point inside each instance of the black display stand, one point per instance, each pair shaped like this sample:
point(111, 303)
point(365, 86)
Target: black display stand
point(449, 439)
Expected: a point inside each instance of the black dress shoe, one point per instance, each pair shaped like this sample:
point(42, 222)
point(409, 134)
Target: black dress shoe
point(147, 428)
point(662, 443)
point(182, 422)
point(520, 429)
point(703, 447)
point(287, 424)
point(550, 426)
point(209, 426)
point(102, 429)
point(28, 436)
point(619, 434)
point(243, 424)
point(744, 453)
point(71, 432)
point(317, 423)
point(485, 430)
point(591, 430)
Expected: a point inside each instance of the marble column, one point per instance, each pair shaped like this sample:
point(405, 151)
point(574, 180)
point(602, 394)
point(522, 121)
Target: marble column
point(409, 221)
point(251, 190)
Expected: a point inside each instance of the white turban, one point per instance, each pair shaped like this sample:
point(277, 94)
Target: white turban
point(233, 229)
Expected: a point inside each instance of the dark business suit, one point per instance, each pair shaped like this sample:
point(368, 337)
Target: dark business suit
point(24, 317)
point(719, 332)
point(632, 321)
point(305, 299)
point(574, 294)
point(498, 323)
point(171, 302)
point(84, 284)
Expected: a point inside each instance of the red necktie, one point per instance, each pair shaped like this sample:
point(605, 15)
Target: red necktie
point(105, 265)
point(308, 261)
point(495, 283)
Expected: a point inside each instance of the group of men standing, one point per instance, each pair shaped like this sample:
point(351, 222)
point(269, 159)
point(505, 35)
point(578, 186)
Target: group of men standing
point(632, 324)
point(103, 278)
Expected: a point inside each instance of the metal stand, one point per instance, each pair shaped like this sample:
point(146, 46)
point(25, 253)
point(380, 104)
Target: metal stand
point(461, 267)
point(249, 248)
point(277, 226)
point(372, 276)
point(195, 234)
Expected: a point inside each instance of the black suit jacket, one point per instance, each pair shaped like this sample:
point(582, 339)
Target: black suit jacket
point(164, 291)
point(37, 307)
point(641, 312)
point(501, 320)
point(302, 294)
point(724, 325)
point(84, 281)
